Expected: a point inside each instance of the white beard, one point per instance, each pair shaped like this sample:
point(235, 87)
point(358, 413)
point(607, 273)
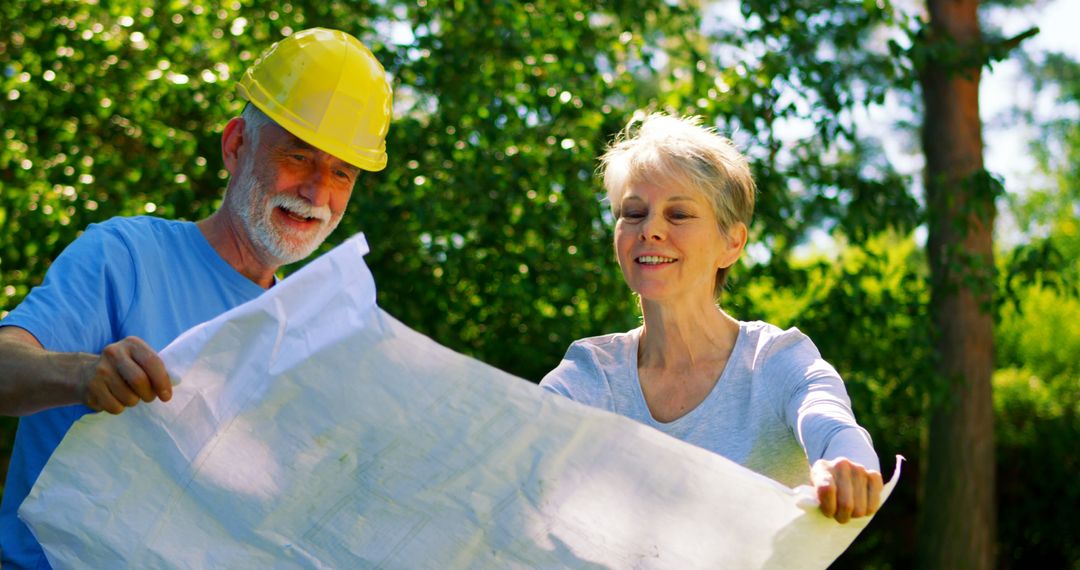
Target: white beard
point(255, 209)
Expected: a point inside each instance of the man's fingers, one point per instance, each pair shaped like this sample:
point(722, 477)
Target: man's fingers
point(133, 371)
point(100, 399)
point(121, 390)
point(135, 379)
point(117, 365)
point(154, 368)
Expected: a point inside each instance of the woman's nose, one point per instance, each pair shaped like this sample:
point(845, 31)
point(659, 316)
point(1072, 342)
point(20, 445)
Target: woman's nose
point(652, 228)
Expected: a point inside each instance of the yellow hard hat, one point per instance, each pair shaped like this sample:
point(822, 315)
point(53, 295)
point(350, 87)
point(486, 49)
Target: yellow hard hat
point(327, 88)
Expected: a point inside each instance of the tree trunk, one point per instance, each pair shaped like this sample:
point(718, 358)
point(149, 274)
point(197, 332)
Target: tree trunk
point(957, 516)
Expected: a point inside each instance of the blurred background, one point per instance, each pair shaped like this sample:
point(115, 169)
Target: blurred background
point(490, 234)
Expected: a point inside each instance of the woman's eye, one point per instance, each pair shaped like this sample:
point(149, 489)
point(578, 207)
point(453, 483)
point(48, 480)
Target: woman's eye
point(633, 214)
point(680, 215)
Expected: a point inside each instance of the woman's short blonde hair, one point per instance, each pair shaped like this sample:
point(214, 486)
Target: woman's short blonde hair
point(665, 150)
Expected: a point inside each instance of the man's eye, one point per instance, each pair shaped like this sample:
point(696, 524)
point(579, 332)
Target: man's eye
point(298, 157)
point(342, 174)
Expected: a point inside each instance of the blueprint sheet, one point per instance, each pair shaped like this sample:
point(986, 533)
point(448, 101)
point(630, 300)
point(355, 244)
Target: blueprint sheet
point(310, 429)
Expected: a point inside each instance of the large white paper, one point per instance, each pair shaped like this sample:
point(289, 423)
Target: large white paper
point(311, 429)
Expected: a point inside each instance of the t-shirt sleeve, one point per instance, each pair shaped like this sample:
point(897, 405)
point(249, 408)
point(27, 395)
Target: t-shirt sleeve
point(815, 403)
point(80, 305)
point(579, 378)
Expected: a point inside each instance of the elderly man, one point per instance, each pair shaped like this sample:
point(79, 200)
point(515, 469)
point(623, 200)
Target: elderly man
point(87, 338)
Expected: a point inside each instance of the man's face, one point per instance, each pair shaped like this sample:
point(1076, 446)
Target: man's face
point(290, 196)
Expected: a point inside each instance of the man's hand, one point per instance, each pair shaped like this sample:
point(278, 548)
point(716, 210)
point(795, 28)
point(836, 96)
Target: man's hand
point(125, 373)
point(845, 489)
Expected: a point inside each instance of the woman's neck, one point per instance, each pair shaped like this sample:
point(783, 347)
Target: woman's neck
point(682, 336)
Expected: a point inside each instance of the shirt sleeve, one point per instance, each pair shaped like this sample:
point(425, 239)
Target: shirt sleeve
point(579, 378)
point(815, 403)
point(88, 289)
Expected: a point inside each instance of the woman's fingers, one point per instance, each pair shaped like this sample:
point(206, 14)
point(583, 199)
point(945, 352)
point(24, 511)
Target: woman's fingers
point(873, 492)
point(846, 489)
point(826, 492)
point(859, 493)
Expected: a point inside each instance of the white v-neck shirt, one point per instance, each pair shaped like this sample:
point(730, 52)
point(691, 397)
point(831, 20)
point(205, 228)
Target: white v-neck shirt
point(776, 408)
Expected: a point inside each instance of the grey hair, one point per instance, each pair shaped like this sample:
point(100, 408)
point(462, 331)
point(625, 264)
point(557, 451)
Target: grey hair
point(666, 150)
point(254, 121)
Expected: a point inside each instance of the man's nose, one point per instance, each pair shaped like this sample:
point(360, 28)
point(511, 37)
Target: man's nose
point(316, 188)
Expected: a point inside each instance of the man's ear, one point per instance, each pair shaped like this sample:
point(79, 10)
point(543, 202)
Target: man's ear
point(734, 242)
point(233, 145)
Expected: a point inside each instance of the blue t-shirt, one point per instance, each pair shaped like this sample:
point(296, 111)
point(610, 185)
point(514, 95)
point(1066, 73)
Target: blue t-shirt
point(145, 277)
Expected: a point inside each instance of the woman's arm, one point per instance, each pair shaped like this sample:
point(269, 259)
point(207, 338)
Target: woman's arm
point(844, 467)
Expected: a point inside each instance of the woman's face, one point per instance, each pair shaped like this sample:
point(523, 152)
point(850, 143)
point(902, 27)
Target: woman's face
point(669, 244)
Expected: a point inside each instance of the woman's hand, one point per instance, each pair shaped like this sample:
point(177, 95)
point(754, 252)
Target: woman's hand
point(845, 489)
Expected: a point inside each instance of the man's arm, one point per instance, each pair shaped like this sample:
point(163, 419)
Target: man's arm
point(34, 379)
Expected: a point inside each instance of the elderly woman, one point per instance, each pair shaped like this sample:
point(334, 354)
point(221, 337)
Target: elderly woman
point(758, 395)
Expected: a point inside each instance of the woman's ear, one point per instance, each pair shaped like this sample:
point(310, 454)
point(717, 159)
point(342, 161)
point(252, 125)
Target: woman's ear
point(734, 242)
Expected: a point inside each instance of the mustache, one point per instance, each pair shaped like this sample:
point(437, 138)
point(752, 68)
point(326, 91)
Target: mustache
point(300, 207)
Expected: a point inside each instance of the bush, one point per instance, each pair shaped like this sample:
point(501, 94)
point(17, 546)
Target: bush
point(1037, 463)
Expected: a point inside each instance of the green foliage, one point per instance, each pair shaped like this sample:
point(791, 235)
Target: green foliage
point(1042, 336)
point(1037, 431)
point(488, 230)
